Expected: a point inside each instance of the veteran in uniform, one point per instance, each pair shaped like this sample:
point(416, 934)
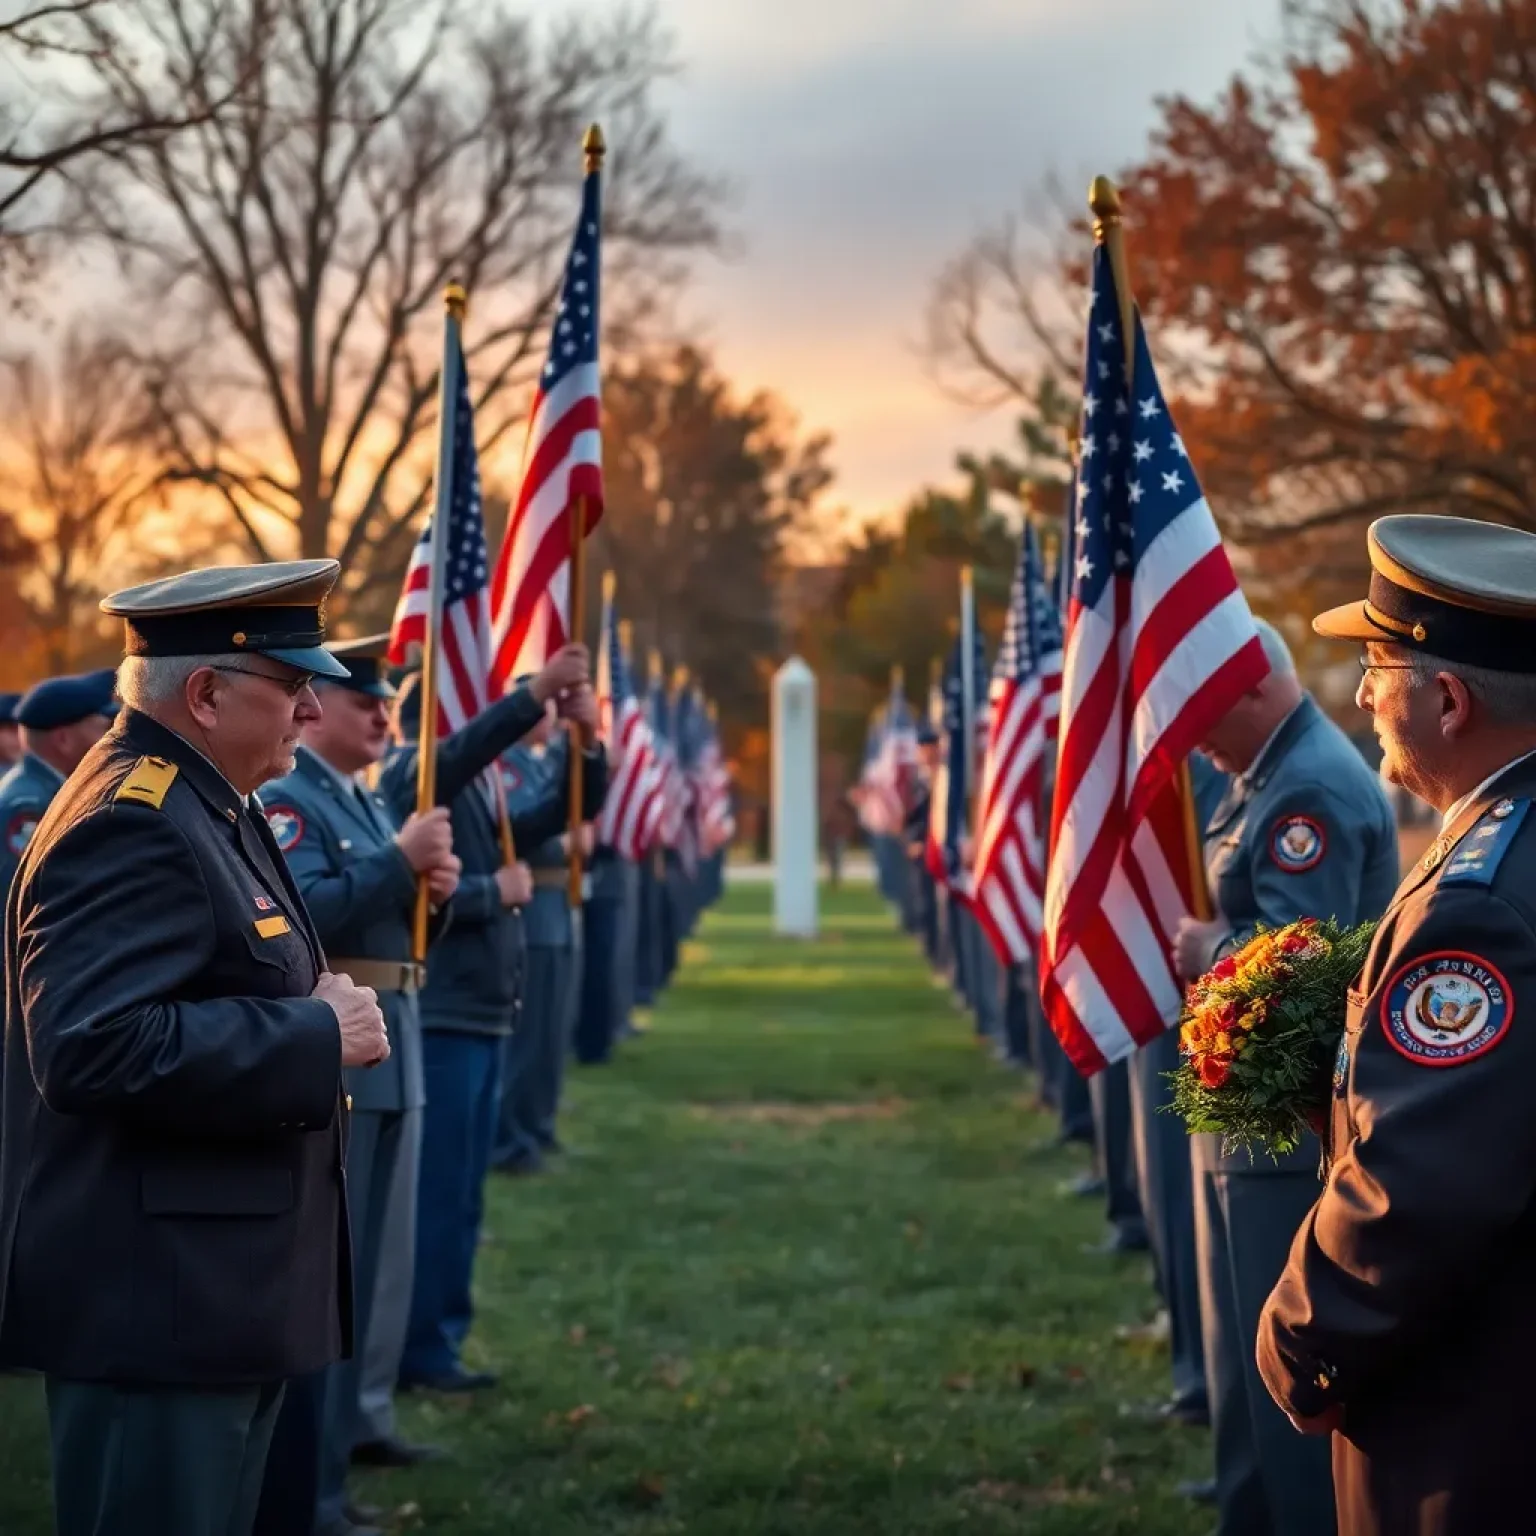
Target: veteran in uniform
point(173, 1224)
point(533, 1064)
point(357, 869)
point(1304, 830)
point(10, 732)
point(60, 721)
point(1404, 1322)
point(469, 1003)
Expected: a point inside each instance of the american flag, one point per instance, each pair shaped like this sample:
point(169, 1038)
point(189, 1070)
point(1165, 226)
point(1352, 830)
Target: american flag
point(951, 787)
point(685, 745)
point(1159, 645)
point(464, 630)
point(717, 826)
point(627, 821)
point(671, 788)
point(1026, 703)
point(889, 767)
point(562, 460)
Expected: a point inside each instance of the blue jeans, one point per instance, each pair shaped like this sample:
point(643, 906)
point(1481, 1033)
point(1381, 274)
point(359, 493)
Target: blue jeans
point(463, 1079)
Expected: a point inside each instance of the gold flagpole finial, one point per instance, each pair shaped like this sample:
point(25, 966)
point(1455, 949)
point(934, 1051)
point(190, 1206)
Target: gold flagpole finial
point(627, 636)
point(593, 148)
point(455, 300)
point(610, 585)
point(1109, 231)
point(679, 679)
point(654, 664)
point(898, 677)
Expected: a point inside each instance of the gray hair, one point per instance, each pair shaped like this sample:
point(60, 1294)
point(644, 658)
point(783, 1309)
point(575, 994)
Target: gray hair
point(1277, 651)
point(146, 683)
point(1508, 697)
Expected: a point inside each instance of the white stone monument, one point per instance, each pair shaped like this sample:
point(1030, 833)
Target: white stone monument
point(794, 800)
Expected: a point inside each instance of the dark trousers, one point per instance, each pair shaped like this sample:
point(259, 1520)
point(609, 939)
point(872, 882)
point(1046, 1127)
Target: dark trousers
point(373, 1151)
point(1270, 1481)
point(597, 1013)
point(463, 1077)
point(1166, 1186)
point(534, 1057)
point(648, 979)
point(626, 952)
point(1016, 1030)
point(1110, 1091)
point(290, 1487)
point(146, 1461)
point(668, 935)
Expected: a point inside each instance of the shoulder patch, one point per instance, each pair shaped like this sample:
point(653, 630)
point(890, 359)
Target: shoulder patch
point(1446, 1007)
point(19, 830)
point(1477, 856)
point(287, 826)
point(1297, 844)
point(149, 783)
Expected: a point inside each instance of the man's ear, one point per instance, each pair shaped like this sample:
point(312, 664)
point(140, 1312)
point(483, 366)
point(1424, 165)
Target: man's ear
point(201, 693)
point(1455, 705)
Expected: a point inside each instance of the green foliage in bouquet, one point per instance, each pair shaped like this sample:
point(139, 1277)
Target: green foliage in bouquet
point(1260, 1031)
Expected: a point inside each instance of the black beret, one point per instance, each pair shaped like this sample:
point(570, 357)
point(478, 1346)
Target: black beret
point(60, 701)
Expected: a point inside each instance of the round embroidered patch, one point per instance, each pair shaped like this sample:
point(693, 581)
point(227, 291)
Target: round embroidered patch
point(1446, 1008)
point(19, 830)
point(1297, 843)
point(287, 826)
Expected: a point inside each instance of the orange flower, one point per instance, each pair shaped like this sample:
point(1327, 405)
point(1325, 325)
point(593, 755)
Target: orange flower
point(1213, 1071)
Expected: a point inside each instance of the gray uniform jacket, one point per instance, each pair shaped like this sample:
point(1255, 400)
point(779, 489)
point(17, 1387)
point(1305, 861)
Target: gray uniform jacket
point(535, 782)
point(339, 840)
point(26, 791)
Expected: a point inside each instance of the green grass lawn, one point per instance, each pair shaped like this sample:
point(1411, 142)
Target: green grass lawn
point(807, 1273)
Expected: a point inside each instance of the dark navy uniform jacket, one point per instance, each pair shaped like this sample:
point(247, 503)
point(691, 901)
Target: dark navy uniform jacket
point(172, 1204)
point(26, 791)
point(1410, 1295)
point(475, 969)
point(339, 839)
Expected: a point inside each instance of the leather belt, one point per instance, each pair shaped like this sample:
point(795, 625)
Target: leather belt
point(382, 975)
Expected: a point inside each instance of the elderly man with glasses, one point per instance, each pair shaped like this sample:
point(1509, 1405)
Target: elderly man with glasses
point(173, 1223)
point(1403, 1323)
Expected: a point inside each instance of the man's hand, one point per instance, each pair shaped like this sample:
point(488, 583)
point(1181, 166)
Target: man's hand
point(443, 879)
point(569, 667)
point(427, 840)
point(515, 882)
point(1194, 946)
point(580, 707)
point(364, 1042)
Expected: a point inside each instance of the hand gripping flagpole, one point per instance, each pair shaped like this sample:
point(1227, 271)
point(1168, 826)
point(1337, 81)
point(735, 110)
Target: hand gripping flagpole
point(426, 742)
point(1109, 231)
point(592, 149)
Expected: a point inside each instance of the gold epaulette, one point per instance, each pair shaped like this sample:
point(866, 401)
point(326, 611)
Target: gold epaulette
point(149, 783)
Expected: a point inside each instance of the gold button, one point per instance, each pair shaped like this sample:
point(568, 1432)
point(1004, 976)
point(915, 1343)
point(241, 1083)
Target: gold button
point(349, 1103)
point(1324, 1380)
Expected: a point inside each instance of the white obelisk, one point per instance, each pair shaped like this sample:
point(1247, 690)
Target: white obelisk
point(795, 819)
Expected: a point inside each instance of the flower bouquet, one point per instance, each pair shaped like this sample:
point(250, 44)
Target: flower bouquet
point(1260, 1032)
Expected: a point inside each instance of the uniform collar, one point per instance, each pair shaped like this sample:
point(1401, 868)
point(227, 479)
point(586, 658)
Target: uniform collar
point(1257, 773)
point(35, 764)
point(150, 738)
point(1477, 794)
point(314, 765)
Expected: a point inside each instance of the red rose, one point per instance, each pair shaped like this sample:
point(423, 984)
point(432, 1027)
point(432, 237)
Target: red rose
point(1229, 1016)
point(1294, 943)
point(1224, 969)
point(1213, 1070)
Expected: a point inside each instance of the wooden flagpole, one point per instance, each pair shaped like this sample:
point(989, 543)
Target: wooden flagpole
point(1109, 231)
point(426, 740)
point(592, 148)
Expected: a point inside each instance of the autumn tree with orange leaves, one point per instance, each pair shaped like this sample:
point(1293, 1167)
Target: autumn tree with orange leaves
point(1347, 240)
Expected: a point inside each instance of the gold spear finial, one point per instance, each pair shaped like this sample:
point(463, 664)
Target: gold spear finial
point(1109, 231)
point(654, 662)
point(455, 300)
point(593, 148)
point(610, 585)
point(679, 678)
point(627, 636)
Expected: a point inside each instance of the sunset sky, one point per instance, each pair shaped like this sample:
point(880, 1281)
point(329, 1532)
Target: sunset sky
point(866, 140)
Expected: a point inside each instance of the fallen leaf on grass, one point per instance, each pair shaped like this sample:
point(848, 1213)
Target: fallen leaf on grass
point(580, 1415)
point(960, 1382)
point(1075, 1373)
point(1025, 1376)
point(577, 1335)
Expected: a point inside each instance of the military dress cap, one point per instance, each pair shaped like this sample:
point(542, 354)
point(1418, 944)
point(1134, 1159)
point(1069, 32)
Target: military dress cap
point(1449, 586)
point(275, 610)
point(60, 701)
point(365, 661)
point(8, 703)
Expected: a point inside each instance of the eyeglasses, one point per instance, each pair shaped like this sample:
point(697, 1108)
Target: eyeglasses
point(1367, 665)
point(292, 686)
